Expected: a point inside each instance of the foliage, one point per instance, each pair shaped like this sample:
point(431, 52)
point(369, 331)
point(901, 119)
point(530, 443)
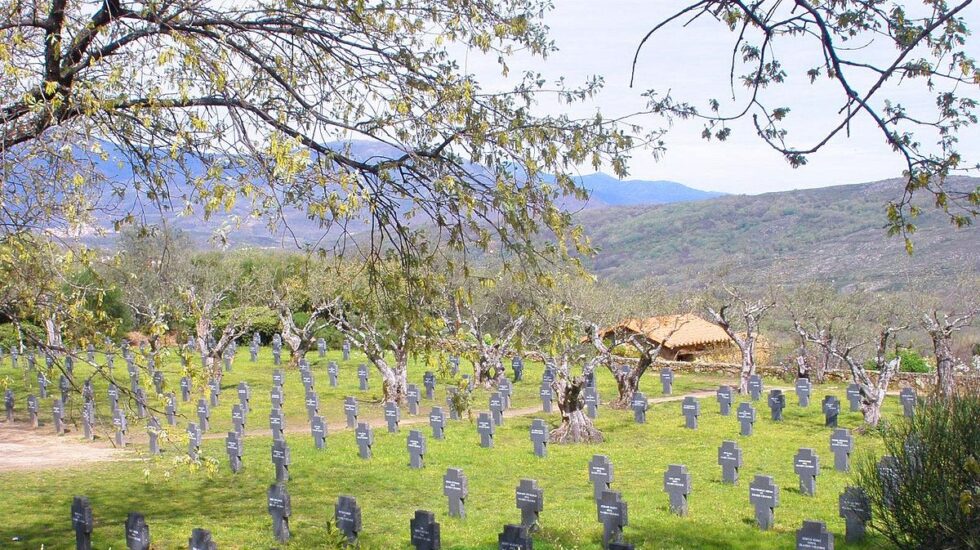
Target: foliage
point(261, 319)
point(910, 360)
point(935, 498)
point(9, 339)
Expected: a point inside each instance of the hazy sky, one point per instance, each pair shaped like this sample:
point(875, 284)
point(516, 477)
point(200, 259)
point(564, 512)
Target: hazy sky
point(599, 37)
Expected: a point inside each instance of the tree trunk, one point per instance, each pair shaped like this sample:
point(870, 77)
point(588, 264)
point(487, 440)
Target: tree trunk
point(298, 349)
point(394, 380)
point(628, 384)
point(575, 426)
point(944, 365)
point(748, 369)
point(53, 331)
point(488, 370)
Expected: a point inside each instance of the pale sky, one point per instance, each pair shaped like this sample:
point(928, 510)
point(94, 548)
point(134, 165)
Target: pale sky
point(600, 37)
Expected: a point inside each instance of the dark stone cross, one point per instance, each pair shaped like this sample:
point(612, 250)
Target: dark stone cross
point(318, 428)
point(746, 417)
point(185, 389)
point(548, 376)
point(620, 546)
point(854, 397)
point(677, 485)
point(640, 406)
point(429, 381)
point(321, 347)
point(667, 380)
point(814, 536)
point(170, 409)
point(65, 386)
point(806, 464)
point(119, 422)
point(539, 436)
point(437, 420)
point(497, 408)
point(42, 385)
point(764, 496)
point(855, 508)
point(691, 409)
point(841, 444)
point(306, 376)
point(82, 522)
point(908, 398)
point(88, 420)
point(32, 408)
point(506, 390)
point(546, 396)
point(238, 418)
point(530, 501)
point(350, 411)
point(215, 390)
point(413, 398)
point(425, 531)
point(277, 423)
point(730, 460)
point(514, 537)
point(591, 396)
point(312, 404)
point(276, 356)
point(484, 425)
point(277, 377)
point(332, 373)
point(140, 398)
point(777, 402)
point(244, 396)
point(416, 449)
point(601, 475)
point(456, 488)
point(137, 532)
point(613, 515)
point(450, 397)
point(365, 438)
point(281, 459)
point(346, 349)
point(393, 416)
point(362, 376)
point(233, 446)
point(280, 509)
point(203, 414)
point(831, 409)
point(347, 516)
point(888, 473)
point(724, 397)
point(253, 352)
point(193, 440)
point(517, 365)
point(158, 381)
point(755, 387)
point(153, 430)
point(276, 396)
point(90, 353)
point(8, 404)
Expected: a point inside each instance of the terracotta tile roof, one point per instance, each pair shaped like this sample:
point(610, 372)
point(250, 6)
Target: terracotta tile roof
point(675, 331)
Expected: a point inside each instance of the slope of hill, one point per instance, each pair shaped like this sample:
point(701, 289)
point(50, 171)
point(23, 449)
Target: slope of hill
point(607, 190)
point(831, 233)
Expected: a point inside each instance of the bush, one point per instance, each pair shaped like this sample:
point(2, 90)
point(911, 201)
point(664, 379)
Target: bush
point(8, 335)
point(935, 491)
point(263, 320)
point(909, 361)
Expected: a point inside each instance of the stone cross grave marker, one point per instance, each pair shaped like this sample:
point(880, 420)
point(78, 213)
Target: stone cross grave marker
point(546, 396)
point(613, 515)
point(888, 473)
point(185, 389)
point(42, 385)
point(908, 398)
point(65, 386)
point(140, 398)
point(746, 418)
point(158, 381)
point(806, 464)
point(854, 397)
point(277, 423)
point(32, 410)
point(548, 375)
point(121, 426)
point(413, 398)
point(233, 446)
point(347, 516)
point(814, 536)
point(8, 404)
point(456, 488)
point(425, 533)
point(667, 380)
point(756, 387)
point(469, 382)
point(193, 440)
point(362, 376)
point(364, 435)
point(82, 522)
point(841, 444)
point(88, 391)
point(170, 409)
point(730, 460)
point(724, 397)
point(280, 509)
point(691, 409)
point(201, 540)
point(276, 396)
point(312, 404)
point(855, 508)
point(640, 406)
point(153, 430)
point(539, 437)
point(277, 377)
point(321, 347)
point(346, 349)
point(506, 389)
point(591, 396)
point(450, 397)
point(677, 485)
point(137, 532)
point(484, 425)
point(437, 421)
point(620, 546)
point(253, 352)
point(238, 419)
point(831, 409)
point(134, 379)
point(281, 459)
point(429, 381)
point(514, 537)
point(497, 408)
point(90, 353)
point(777, 402)
point(393, 415)
point(88, 420)
point(332, 371)
point(318, 428)
point(203, 415)
point(416, 449)
point(764, 496)
point(306, 376)
point(517, 365)
point(244, 396)
point(601, 475)
point(350, 411)
point(530, 501)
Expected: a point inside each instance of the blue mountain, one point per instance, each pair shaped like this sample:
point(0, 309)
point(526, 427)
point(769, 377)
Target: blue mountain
point(606, 190)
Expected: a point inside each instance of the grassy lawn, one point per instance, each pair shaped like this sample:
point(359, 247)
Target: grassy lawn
point(175, 498)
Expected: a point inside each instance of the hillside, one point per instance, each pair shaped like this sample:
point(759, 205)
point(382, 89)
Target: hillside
point(831, 233)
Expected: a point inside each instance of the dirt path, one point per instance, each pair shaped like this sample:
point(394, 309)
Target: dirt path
point(22, 448)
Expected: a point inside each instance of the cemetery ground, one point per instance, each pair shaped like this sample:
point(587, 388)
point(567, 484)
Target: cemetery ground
point(176, 498)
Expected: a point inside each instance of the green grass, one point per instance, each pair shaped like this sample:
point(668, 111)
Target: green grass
point(176, 499)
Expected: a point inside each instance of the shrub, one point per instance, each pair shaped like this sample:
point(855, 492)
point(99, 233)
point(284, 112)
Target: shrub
point(8, 335)
point(263, 320)
point(935, 492)
point(909, 361)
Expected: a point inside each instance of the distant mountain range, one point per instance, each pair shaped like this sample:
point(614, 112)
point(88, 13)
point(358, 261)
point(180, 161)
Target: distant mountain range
point(605, 190)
